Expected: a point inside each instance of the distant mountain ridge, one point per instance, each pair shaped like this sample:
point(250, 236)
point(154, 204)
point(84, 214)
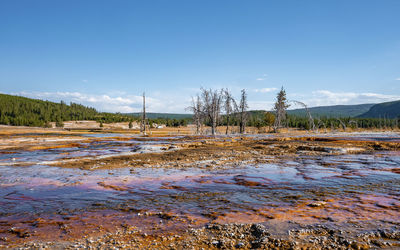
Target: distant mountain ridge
point(161, 115)
point(369, 110)
point(334, 111)
point(389, 110)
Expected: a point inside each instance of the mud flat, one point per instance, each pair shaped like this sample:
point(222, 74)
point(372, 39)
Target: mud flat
point(80, 190)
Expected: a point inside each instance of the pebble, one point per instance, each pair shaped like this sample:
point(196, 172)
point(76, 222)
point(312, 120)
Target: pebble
point(239, 245)
point(317, 204)
point(215, 242)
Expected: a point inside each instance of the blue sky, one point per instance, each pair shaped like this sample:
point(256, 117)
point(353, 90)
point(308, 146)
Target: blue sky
point(106, 53)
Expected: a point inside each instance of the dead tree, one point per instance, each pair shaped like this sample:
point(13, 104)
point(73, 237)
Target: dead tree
point(243, 106)
point(321, 123)
point(229, 103)
point(197, 109)
point(212, 100)
point(353, 122)
point(144, 121)
point(342, 123)
point(310, 118)
point(280, 107)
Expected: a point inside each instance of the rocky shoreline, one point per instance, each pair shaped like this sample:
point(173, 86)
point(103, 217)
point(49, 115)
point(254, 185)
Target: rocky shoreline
point(237, 236)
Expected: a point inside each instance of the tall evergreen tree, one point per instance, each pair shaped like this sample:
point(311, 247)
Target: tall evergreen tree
point(229, 105)
point(243, 106)
point(280, 107)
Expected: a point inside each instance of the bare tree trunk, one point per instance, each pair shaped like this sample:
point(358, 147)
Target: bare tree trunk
point(213, 128)
point(212, 107)
point(228, 107)
point(197, 109)
point(227, 125)
point(342, 123)
point(143, 122)
point(310, 118)
point(243, 109)
point(323, 124)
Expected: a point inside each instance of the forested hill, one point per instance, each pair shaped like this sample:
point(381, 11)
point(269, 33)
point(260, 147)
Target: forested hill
point(334, 111)
point(161, 115)
point(23, 111)
point(383, 110)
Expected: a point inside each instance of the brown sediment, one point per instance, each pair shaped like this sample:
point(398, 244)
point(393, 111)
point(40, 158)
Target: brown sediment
point(114, 187)
point(70, 145)
point(396, 170)
point(226, 152)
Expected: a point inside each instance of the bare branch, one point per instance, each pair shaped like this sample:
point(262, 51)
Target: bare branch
point(310, 118)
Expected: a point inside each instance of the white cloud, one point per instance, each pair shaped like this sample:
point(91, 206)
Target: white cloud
point(397, 79)
point(265, 90)
point(117, 102)
point(261, 105)
point(84, 80)
point(177, 102)
point(107, 103)
point(326, 98)
point(263, 78)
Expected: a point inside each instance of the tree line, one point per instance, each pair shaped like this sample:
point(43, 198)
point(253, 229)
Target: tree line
point(218, 108)
point(261, 119)
point(211, 108)
point(23, 111)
